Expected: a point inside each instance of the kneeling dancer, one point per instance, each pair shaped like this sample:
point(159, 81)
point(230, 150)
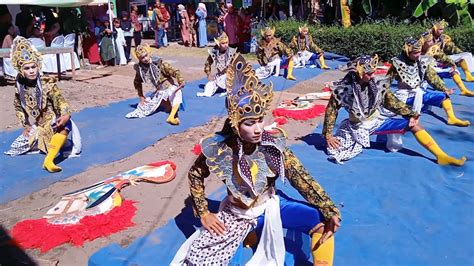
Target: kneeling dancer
point(272, 53)
point(219, 56)
point(413, 73)
point(40, 99)
point(363, 96)
point(306, 50)
point(166, 80)
point(249, 159)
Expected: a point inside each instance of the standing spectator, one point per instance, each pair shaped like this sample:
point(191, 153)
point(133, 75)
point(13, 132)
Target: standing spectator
point(5, 21)
point(158, 23)
point(120, 44)
point(231, 26)
point(107, 52)
point(245, 28)
point(24, 21)
point(201, 14)
point(126, 25)
point(184, 24)
point(111, 12)
point(192, 29)
point(221, 12)
point(137, 27)
point(11, 34)
point(166, 19)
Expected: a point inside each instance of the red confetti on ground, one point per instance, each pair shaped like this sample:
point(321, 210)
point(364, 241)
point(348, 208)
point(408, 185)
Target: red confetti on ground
point(305, 114)
point(197, 149)
point(40, 234)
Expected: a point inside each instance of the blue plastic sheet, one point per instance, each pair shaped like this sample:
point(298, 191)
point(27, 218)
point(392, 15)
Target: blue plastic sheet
point(398, 208)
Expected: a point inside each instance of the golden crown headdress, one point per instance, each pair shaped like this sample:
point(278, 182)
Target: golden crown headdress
point(366, 64)
point(222, 38)
point(142, 50)
point(426, 37)
point(440, 24)
point(412, 45)
point(23, 52)
point(304, 27)
point(247, 97)
point(268, 31)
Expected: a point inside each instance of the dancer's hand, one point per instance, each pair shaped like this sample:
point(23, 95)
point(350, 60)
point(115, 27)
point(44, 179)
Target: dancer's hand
point(210, 78)
point(330, 228)
point(333, 142)
point(62, 120)
point(142, 101)
point(213, 224)
point(26, 131)
point(449, 91)
point(413, 121)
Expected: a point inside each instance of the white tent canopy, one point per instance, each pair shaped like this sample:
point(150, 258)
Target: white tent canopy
point(55, 3)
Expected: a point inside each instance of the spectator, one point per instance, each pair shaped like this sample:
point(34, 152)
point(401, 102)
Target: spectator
point(221, 12)
point(137, 27)
point(184, 24)
point(11, 34)
point(111, 12)
point(231, 26)
point(245, 28)
point(51, 28)
point(107, 52)
point(126, 25)
point(192, 30)
point(166, 19)
point(5, 21)
point(120, 44)
point(158, 23)
point(150, 12)
point(24, 21)
point(201, 14)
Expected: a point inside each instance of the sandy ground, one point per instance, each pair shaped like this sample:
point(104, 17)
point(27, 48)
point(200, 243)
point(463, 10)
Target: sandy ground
point(170, 198)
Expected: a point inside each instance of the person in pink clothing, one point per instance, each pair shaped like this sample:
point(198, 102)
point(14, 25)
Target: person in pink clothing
point(231, 26)
point(184, 24)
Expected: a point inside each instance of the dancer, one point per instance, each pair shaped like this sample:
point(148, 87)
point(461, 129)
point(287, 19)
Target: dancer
point(411, 70)
point(306, 50)
point(363, 96)
point(249, 159)
point(445, 66)
point(166, 80)
point(219, 56)
point(40, 99)
point(463, 59)
point(272, 53)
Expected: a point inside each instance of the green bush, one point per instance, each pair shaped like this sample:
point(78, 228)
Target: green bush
point(383, 38)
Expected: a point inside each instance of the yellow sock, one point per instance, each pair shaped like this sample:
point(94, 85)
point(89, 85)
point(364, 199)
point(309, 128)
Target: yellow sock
point(172, 119)
point(430, 144)
point(323, 63)
point(57, 141)
point(289, 75)
point(324, 255)
point(464, 91)
point(452, 119)
point(463, 65)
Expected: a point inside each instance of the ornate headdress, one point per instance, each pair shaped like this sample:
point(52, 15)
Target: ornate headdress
point(268, 31)
point(440, 24)
point(366, 64)
point(304, 27)
point(426, 36)
point(247, 97)
point(23, 52)
point(412, 45)
point(142, 50)
point(222, 38)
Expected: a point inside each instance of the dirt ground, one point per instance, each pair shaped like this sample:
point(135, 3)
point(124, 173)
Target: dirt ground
point(170, 197)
